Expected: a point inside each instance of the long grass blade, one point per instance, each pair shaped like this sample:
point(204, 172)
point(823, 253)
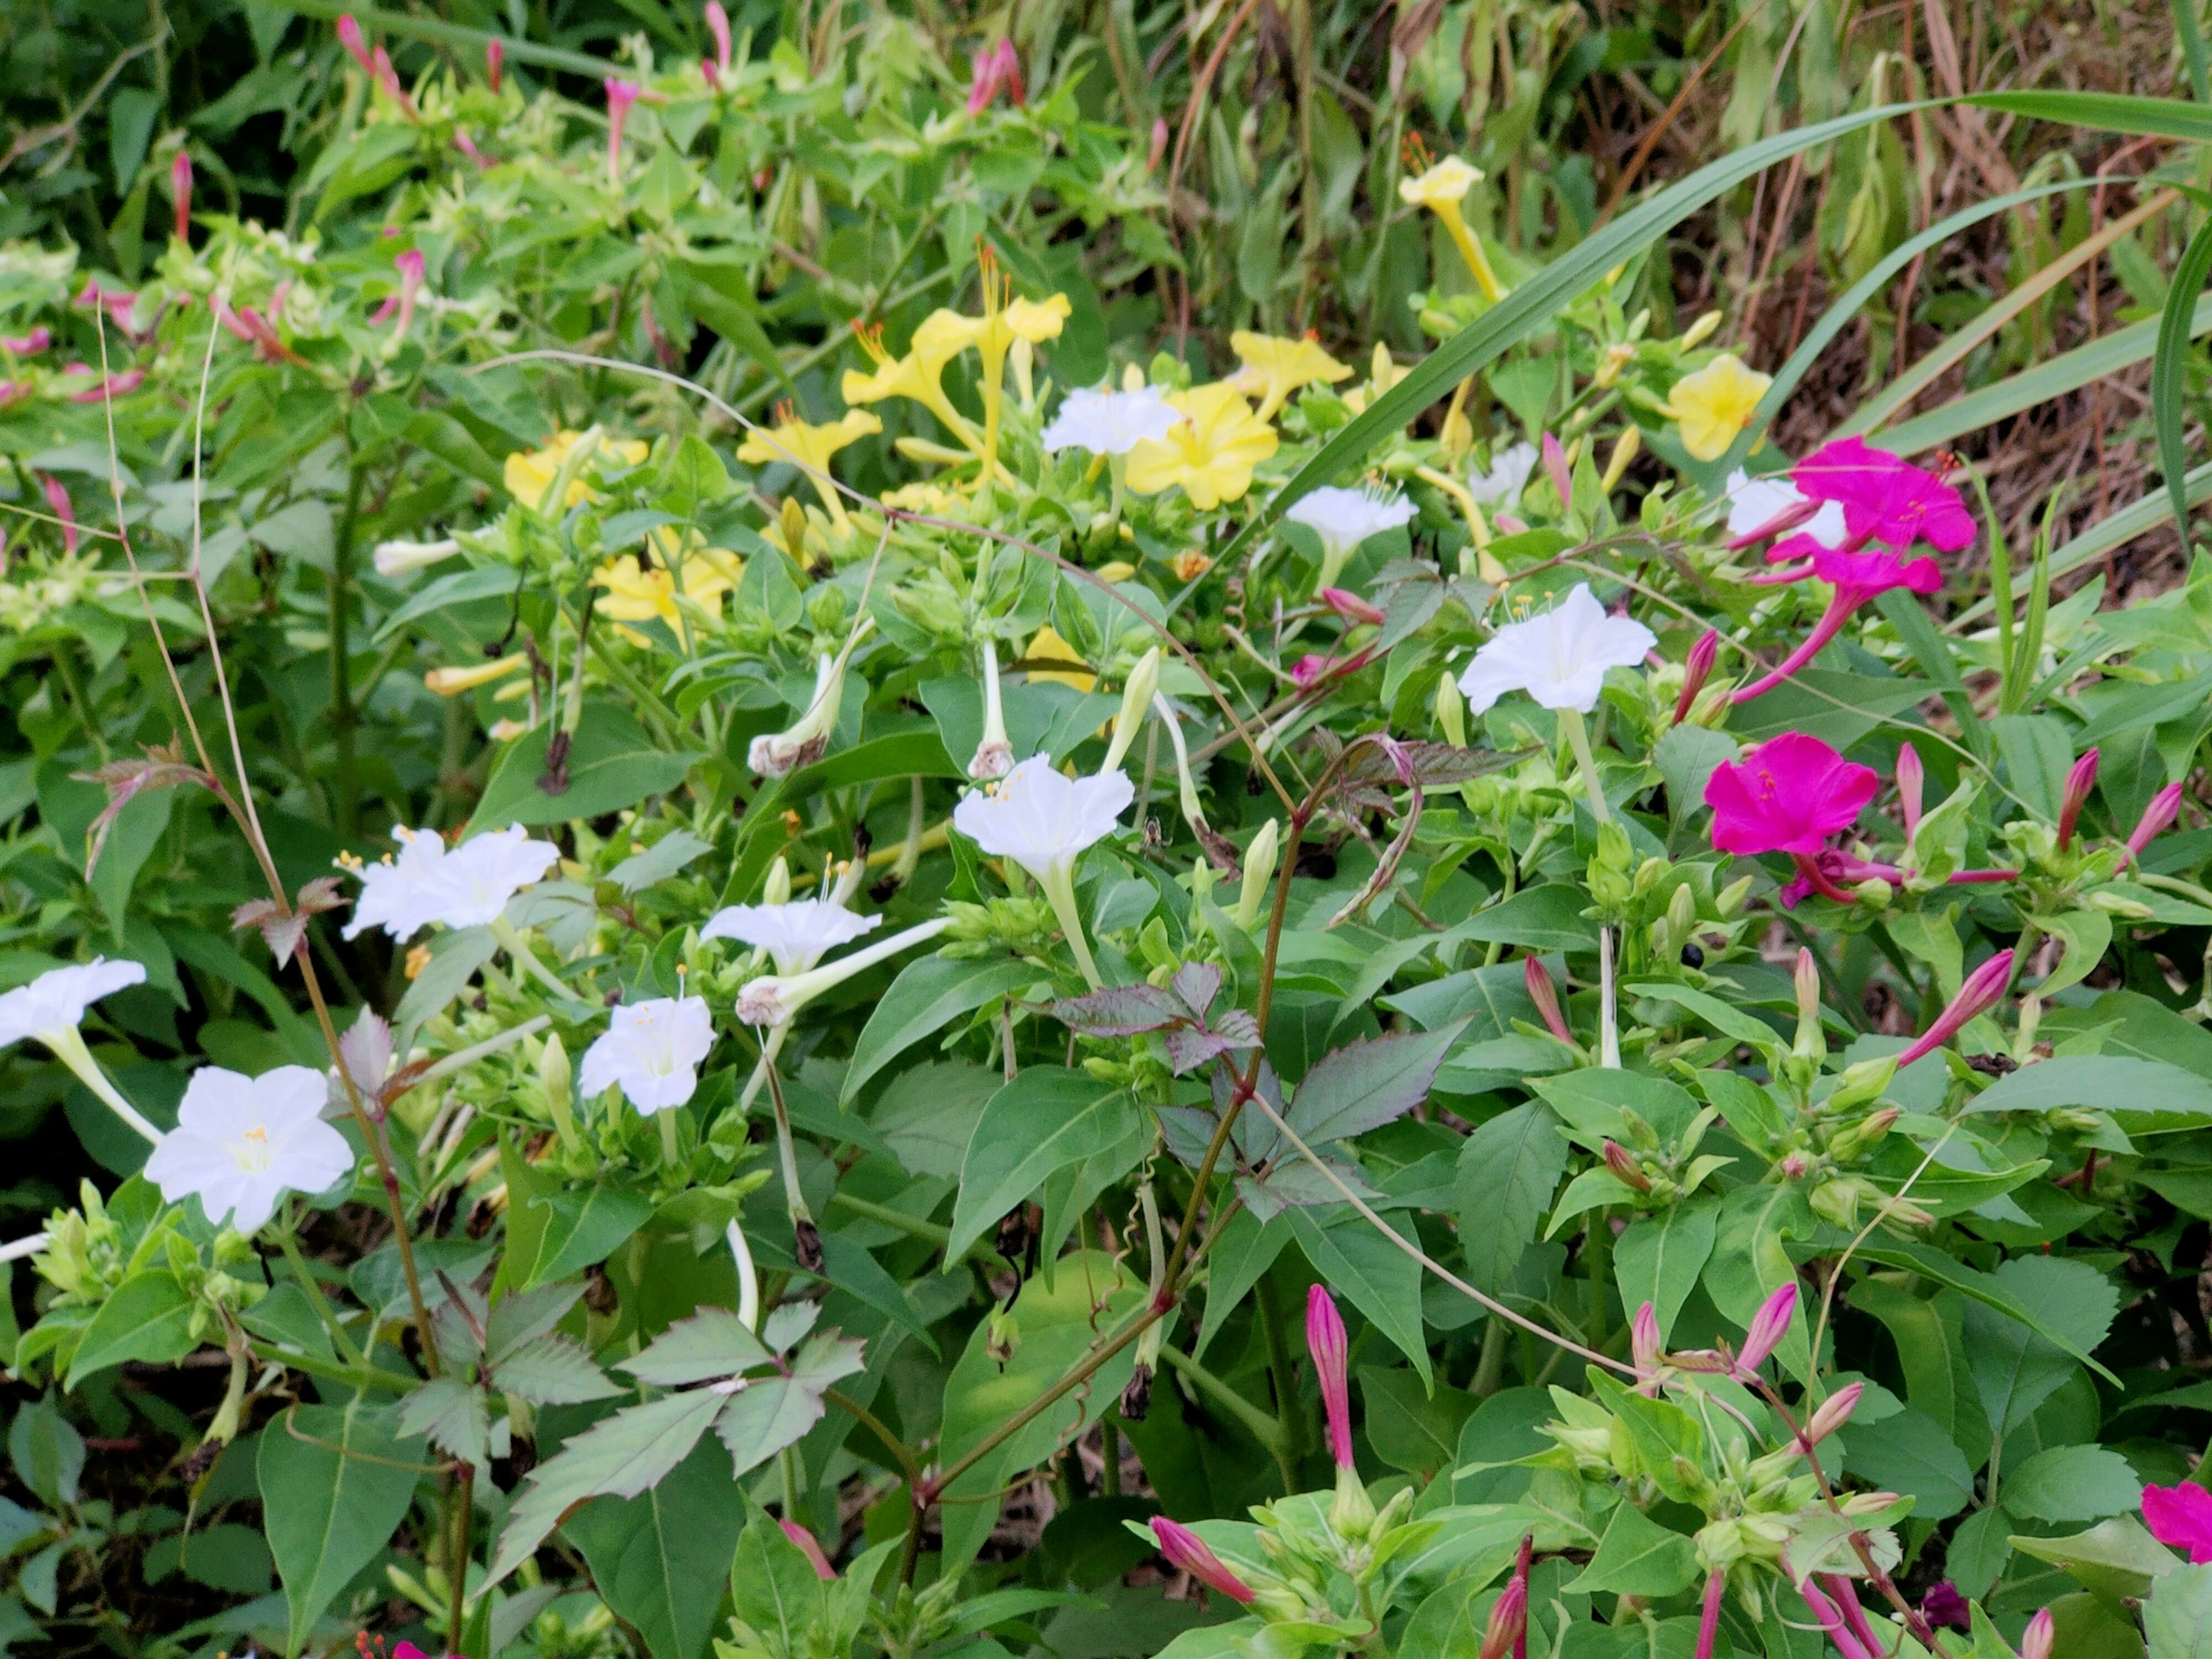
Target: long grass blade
point(379, 22)
point(2136, 519)
point(1530, 308)
point(2169, 368)
point(2105, 112)
point(2192, 50)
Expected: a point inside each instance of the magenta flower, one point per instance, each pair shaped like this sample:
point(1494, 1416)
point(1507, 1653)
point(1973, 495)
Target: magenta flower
point(1983, 990)
point(1789, 795)
point(998, 71)
point(1912, 776)
point(2040, 1639)
point(1832, 1621)
point(2081, 779)
point(1696, 671)
point(494, 62)
point(718, 25)
point(27, 345)
point(1185, 1549)
point(1708, 1618)
point(621, 95)
point(1885, 499)
point(1944, 1606)
point(1509, 1621)
point(58, 497)
point(810, 1547)
point(1325, 1341)
point(2180, 1516)
point(1855, 577)
point(2165, 806)
point(181, 193)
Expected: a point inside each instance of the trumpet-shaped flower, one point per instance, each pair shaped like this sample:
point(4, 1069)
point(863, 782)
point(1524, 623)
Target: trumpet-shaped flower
point(1007, 322)
point(774, 999)
point(1558, 658)
point(452, 682)
point(50, 1009)
point(796, 935)
point(1766, 506)
point(1885, 499)
point(809, 448)
point(1110, 422)
point(778, 754)
point(529, 474)
point(1275, 368)
point(637, 592)
point(397, 558)
point(1501, 482)
point(650, 1050)
point(1440, 189)
point(2181, 1516)
point(1344, 520)
point(1855, 577)
point(241, 1143)
point(466, 886)
point(1789, 795)
point(1713, 405)
point(919, 375)
point(1210, 451)
point(1044, 822)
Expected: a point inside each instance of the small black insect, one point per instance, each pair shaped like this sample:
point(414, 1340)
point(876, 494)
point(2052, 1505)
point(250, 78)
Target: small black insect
point(1692, 956)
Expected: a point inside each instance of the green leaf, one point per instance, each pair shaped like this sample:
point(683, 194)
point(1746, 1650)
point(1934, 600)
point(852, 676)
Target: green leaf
point(773, 1586)
point(611, 765)
point(2178, 1617)
point(1411, 1427)
point(1243, 1251)
point(1369, 1083)
point(1533, 305)
point(336, 1482)
point(1658, 1260)
point(1930, 1337)
point(149, 1318)
point(1637, 1557)
point(2015, 1363)
point(2111, 1082)
point(1507, 1170)
point(660, 1559)
point(2170, 363)
point(928, 994)
point(1660, 1431)
point(482, 581)
point(2072, 1483)
point(2117, 1558)
point(1547, 918)
point(1045, 1120)
point(1374, 1275)
point(583, 1228)
point(1909, 1453)
point(2107, 112)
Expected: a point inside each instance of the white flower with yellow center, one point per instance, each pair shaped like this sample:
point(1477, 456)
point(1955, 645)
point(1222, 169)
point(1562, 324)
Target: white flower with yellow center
point(651, 1051)
point(1044, 821)
point(1558, 657)
point(241, 1143)
point(465, 886)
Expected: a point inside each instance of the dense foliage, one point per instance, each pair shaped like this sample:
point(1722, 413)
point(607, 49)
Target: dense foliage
point(824, 849)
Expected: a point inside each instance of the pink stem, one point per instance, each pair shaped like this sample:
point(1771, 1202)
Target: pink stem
point(1831, 624)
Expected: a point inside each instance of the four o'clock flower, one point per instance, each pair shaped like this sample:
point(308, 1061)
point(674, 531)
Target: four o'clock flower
point(1044, 822)
point(1136, 702)
point(1344, 520)
point(718, 25)
point(242, 1142)
point(180, 194)
point(2081, 779)
point(1559, 659)
point(1911, 779)
point(1440, 189)
point(1109, 422)
point(397, 558)
point(1789, 795)
point(621, 95)
point(1712, 405)
point(2040, 1639)
point(58, 497)
point(1545, 996)
point(1186, 1550)
point(468, 886)
point(779, 754)
point(2165, 806)
point(1507, 1628)
point(1885, 499)
point(797, 935)
point(1983, 990)
point(1646, 1349)
point(50, 1009)
point(1768, 1326)
point(1352, 1510)
point(1855, 577)
point(2180, 1516)
point(410, 284)
point(651, 1051)
point(1834, 1412)
point(1696, 671)
point(994, 755)
point(1771, 506)
point(1501, 482)
point(774, 999)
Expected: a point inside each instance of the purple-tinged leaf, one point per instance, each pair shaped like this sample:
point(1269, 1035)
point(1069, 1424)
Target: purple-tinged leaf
point(1369, 1083)
point(1197, 983)
point(1119, 1011)
point(1188, 1048)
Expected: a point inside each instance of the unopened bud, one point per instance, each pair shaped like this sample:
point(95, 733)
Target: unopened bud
point(1003, 1337)
point(776, 889)
point(1811, 1042)
point(2040, 1639)
point(1136, 703)
point(1260, 860)
point(1874, 893)
point(1864, 1080)
point(1834, 1412)
point(1701, 330)
point(1624, 451)
point(1451, 712)
point(1625, 1168)
point(1730, 898)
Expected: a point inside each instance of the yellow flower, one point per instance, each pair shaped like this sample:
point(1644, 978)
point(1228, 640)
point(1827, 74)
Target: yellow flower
point(935, 500)
point(1274, 369)
point(1440, 189)
point(1048, 647)
point(1714, 404)
point(919, 375)
point(634, 593)
point(1002, 328)
point(449, 681)
point(1211, 452)
point(809, 447)
point(529, 473)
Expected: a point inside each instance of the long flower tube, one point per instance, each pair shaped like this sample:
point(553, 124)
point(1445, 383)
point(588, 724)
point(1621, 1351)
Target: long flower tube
point(1983, 989)
point(1856, 577)
point(1709, 1616)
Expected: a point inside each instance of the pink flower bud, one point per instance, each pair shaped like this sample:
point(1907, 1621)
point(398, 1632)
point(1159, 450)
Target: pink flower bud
point(26, 345)
point(1696, 672)
point(718, 25)
point(350, 37)
point(58, 499)
point(1834, 1412)
point(2165, 806)
point(1623, 1166)
point(1805, 980)
point(1909, 778)
point(1010, 74)
point(983, 89)
point(467, 146)
point(810, 1547)
point(1325, 1341)
point(621, 95)
point(1350, 606)
point(1185, 1549)
point(1157, 151)
point(1545, 996)
point(181, 193)
point(1509, 1621)
point(1709, 1620)
point(1768, 1326)
point(494, 62)
point(1644, 1347)
point(388, 78)
point(411, 283)
point(2040, 1639)
point(1984, 989)
point(2080, 778)
point(1555, 468)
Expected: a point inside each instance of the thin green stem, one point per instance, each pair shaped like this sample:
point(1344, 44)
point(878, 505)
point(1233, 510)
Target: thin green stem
point(1571, 722)
point(1263, 1428)
point(288, 1242)
point(344, 717)
point(1290, 1409)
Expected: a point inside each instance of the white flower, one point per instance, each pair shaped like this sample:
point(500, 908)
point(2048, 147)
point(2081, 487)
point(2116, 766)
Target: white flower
point(55, 1002)
point(779, 754)
point(1754, 503)
point(1507, 477)
point(652, 1050)
point(796, 936)
point(1558, 658)
point(465, 886)
point(242, 1142)
point(772, 999)
point(1110, 422)
point(397, 558)
point(1344, 518)
point(1044, 821)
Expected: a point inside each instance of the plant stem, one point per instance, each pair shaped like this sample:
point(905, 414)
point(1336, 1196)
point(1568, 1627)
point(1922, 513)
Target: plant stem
point(1263, 1428)
point(1290, 1410)
point(1571, 722)
point(457, 1566)
point(346, 784)
point(289, 1244)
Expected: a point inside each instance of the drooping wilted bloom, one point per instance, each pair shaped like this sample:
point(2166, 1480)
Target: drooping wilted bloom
point(651, 1050)
point(1982, 991)
point(1558, 657)
point(241, 1143)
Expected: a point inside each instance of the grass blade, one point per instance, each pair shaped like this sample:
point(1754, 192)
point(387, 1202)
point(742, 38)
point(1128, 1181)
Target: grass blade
point(2169, 368)
point(2192, 50)
point(2105, 112)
